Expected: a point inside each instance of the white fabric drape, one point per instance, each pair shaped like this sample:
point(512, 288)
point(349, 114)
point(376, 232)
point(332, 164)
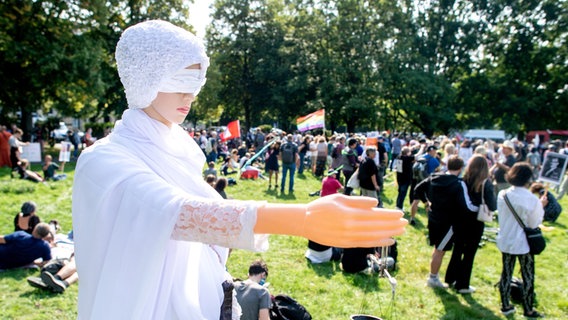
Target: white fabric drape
point(129, 192)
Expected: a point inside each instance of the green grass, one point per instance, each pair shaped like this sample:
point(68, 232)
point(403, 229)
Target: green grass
point(324, 289)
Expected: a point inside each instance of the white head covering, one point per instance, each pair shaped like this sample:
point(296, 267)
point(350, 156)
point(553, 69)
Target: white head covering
point(151, 52)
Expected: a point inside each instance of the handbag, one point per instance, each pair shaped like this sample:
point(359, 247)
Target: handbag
point(534, 236)
point(484, 214)
point(354, 180)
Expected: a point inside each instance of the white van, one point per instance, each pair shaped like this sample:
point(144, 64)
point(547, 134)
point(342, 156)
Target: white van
point(495, 135)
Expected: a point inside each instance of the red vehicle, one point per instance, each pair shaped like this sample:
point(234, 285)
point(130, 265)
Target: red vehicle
point(547, 135)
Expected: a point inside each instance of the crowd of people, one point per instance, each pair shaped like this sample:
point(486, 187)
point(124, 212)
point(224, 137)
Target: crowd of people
point(457, 177)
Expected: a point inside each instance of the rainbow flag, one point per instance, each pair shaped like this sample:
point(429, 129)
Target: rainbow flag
point(311, 121)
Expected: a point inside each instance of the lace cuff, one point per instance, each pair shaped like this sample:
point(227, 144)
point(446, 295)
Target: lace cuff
point(227, 223)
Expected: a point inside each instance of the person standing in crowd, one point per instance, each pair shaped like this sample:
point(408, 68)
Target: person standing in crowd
point(15, 150)
point(368, 174)
point(500, 168)
point(303, 149)
point(271, 163)
point(211, 147)
point(330, 145)
point(252, 295)
point(449, 200)
point(5, 147)
point(350, 162)
point(465, 151)
point(161, 193)
point(289, 158)
point(321, 156)
point(533, 159)
point(381, 160)
point(511, 239)
point(449, 150)
point(404, 177)
point(432, 165)
point(259, 142)
point(336, 158)
point(396, 149)
point(467, 229)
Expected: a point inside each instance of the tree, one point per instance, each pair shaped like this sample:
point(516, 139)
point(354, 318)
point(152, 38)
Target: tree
point(58, 54)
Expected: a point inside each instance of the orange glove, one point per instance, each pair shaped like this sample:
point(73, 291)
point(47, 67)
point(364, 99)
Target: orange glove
point(336, 220)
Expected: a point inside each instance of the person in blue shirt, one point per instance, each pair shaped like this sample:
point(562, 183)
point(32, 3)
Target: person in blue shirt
point(431, 156)
point(20, 248)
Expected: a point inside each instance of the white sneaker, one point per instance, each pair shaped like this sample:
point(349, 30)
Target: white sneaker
point(436, 283)
point(467, 291)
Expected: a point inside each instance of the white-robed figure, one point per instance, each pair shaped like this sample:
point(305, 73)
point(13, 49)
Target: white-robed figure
point(151, 236)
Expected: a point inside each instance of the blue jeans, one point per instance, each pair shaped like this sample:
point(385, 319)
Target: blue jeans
point(212, 157)
point(301, 168)
point(402, 190)
point(285, 168)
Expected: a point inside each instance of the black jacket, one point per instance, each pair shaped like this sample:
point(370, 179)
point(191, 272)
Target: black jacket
point(448, 197)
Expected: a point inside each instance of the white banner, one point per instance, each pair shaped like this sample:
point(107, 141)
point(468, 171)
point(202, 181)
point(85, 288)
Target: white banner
point(32, 152)
point(65, 153)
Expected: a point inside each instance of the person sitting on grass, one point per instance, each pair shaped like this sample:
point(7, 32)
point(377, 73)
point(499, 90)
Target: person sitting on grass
point(211, 180)
point(19, 249)
point(26, 219)
point(56, 279)
point(252, 296)
point(49, 168)
point(220, 186)
point(210, 170)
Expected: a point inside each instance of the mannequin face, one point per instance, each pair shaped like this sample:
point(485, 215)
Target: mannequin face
point(170, 108)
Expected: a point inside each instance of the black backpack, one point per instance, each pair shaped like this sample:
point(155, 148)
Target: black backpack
point(286, 308)
point(420, 169)
point(287, 152)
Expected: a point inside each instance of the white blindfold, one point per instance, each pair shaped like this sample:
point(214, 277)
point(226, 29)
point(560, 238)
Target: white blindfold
point(184, 81)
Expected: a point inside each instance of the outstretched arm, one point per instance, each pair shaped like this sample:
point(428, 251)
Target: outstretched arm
point(335, 220)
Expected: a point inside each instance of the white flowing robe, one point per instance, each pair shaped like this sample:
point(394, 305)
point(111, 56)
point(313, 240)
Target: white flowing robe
point(147, 226)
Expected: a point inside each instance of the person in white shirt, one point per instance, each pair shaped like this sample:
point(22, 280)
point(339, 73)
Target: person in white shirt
point(512, 241)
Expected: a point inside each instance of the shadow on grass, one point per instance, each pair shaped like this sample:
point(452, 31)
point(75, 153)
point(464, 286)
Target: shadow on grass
point(286, 196)
point(326, 269)
point(19, 274)
point(455, 309)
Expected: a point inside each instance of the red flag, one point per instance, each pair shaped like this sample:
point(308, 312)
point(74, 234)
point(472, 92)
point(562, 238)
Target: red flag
point(233, 131)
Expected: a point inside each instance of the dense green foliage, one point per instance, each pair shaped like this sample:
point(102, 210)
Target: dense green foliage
point(324, 289)
point(429, 66)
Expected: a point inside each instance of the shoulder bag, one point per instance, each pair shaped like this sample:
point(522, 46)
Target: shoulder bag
point(354, 180)
point(484, 214)
point(534, 236)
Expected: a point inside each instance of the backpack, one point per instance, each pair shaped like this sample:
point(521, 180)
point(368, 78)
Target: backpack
point(288, 153)
point(335, 152)
point(517, 290)
point(420, 169)
point(286, 308)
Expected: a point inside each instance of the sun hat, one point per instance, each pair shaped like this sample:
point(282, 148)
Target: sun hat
point(508, 144)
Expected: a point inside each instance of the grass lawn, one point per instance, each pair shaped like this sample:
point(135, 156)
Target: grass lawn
point(324, 289)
